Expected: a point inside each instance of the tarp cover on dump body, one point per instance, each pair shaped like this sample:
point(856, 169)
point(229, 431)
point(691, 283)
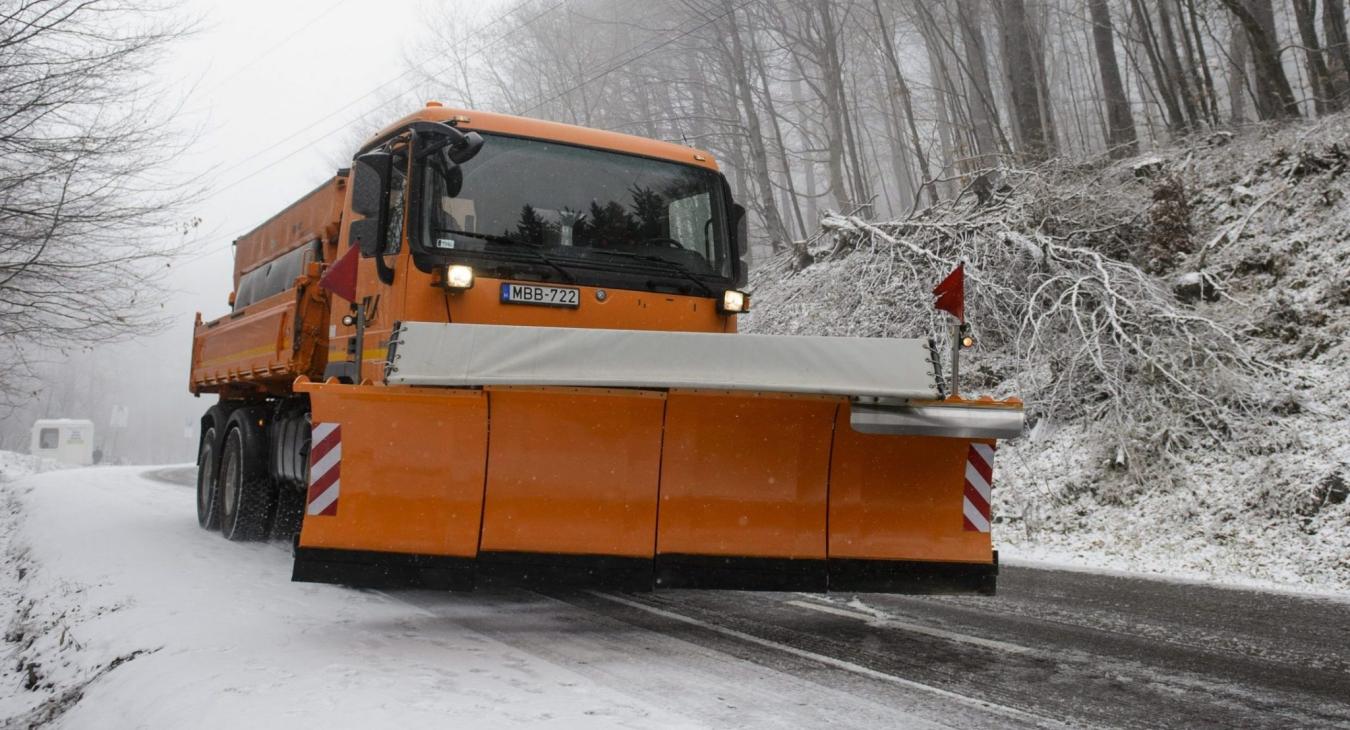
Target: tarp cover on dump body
point(425, 353)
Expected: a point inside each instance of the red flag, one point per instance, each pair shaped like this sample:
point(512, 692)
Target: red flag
point(340, 278)
point(951, 293)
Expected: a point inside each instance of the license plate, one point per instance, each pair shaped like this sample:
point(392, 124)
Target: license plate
point(548, 296)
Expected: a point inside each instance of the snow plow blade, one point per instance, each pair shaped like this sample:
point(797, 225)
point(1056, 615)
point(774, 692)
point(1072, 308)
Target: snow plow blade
point(527, 455)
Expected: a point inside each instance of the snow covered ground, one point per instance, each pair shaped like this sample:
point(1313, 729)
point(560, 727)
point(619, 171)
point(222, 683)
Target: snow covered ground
point(121, 612)
point(206, 633)
point(118, 611)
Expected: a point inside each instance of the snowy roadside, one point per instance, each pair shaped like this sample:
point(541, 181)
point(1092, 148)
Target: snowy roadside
point(119, 612)
point(14, 466)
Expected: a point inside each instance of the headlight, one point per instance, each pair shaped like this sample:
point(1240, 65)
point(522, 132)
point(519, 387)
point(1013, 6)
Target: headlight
point(734, 302)
point(458, 276)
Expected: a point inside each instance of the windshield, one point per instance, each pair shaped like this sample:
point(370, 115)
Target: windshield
point(579, 206)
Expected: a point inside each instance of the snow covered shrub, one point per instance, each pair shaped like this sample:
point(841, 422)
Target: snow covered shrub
point(1064, 319)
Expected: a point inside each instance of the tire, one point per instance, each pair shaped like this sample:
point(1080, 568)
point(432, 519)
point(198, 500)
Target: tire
point(208, 465)
point(246, 494)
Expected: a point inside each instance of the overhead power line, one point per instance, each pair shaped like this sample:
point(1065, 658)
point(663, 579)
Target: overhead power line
point(313, 140)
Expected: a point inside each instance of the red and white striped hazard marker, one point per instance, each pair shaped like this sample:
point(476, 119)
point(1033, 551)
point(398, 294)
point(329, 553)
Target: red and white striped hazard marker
point(975, 509)
point(325, 461)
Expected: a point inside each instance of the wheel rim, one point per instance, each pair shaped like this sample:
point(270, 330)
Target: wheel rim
point(230, 476)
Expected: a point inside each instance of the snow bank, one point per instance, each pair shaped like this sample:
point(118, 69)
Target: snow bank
point(1259, 220)
point(14, 465)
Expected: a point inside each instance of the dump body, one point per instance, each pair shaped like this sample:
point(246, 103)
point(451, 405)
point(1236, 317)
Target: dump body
point(277, 330)
point(571, 403)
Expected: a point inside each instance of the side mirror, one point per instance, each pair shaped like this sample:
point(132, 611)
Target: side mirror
point(370, 190)
point(466, 150)
point(740, 224)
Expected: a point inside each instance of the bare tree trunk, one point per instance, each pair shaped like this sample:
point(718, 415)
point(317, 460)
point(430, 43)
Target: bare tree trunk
point(1338, 48)
point(834, 80)
point(1319, 78)
point(834, 119)
point(1121, 140)
point(1238, 89)
point(900, 162)
point(983, 112)
point(1201, 60)
point(1274, 96)
point(759, 158)
point(1172, 62)
point(1020, 68)
point(809, 166)
point(1176, 121)
point(906, 104)
point(780, 146)
point(947, 130)
point(1049, 128)
point(1094, 81)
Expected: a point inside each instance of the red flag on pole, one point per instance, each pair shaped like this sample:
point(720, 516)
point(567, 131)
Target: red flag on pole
point(340, 278)
point(951, 293)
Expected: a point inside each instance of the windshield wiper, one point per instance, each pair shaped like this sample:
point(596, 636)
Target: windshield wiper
point(675, 266)
point(533, 249)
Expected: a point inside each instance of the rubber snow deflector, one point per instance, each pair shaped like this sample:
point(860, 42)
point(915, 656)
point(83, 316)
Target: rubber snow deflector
point(468, 355)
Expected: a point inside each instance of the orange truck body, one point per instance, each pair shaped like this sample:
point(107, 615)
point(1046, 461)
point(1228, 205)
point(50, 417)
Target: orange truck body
point(636, 487)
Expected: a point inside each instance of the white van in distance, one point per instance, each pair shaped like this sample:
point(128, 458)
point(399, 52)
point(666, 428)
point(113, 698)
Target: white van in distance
point(67, 440)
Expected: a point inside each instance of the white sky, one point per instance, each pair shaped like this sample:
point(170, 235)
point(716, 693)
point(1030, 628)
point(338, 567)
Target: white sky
point(258, 74)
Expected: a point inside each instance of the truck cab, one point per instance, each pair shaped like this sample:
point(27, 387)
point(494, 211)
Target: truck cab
point(473, 217)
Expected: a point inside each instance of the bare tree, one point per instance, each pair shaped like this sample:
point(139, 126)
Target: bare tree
point(86, 216)
point(983, 111)
point(1238, 90)
point(1020, 66)
point(1338, 48)
point(905, 100)
point(1325, 98)
point(759, 157)
point(1274, 95)
point(1120, 134)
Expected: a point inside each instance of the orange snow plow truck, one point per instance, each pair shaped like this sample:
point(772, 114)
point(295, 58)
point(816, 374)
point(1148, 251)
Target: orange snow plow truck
point(500, 351)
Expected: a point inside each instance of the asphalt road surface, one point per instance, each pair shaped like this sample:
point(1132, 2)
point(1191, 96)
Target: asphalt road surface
point(1054, 648)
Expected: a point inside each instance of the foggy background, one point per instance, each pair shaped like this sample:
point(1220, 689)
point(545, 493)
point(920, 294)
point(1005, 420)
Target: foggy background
point(870, 108)
point(257, 90)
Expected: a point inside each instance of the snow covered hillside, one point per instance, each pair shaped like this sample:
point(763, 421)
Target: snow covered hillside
point(1178, 326)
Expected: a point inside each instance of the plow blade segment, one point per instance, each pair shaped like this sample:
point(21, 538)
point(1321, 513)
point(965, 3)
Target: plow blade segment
point(467, 355)
point(951, 421)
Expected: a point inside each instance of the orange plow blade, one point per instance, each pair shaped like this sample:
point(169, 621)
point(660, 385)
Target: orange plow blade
point(452, 487)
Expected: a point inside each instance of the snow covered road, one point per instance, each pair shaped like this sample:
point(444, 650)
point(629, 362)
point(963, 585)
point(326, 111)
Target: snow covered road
point(121, 612)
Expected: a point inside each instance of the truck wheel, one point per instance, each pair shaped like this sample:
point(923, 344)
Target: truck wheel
point(208, 465)
point(247, 496)
point(208, 460)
